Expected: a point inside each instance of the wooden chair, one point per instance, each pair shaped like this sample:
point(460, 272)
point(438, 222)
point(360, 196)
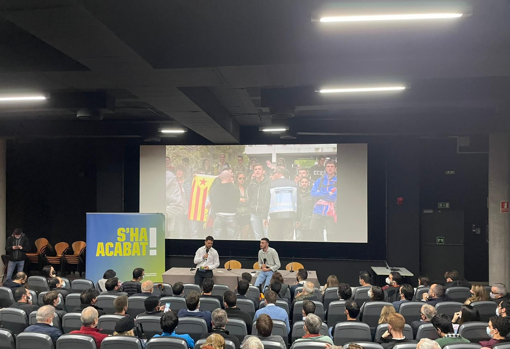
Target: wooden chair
point(78, 256)
point(233, 264)
point(40, 245)
point(256, 266)
point(294, 266)
point(60, 249)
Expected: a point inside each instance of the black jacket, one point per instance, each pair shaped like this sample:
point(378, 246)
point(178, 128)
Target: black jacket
point(457, 283)
point(260, 197)
point(224, 198)
point(17, 255)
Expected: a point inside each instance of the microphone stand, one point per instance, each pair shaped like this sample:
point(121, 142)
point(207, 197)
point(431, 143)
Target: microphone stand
point(230, 261)
point(292, 265)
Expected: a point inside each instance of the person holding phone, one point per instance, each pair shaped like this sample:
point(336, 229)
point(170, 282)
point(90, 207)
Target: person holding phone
point(206, 260)
point(153, 307)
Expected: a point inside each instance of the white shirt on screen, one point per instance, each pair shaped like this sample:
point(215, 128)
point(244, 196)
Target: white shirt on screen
point(213, 260)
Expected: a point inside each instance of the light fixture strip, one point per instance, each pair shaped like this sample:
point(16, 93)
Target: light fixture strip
point(279, 129)
point(395, 17)
point(362, 89)
point(172, 131)
point(22, 98)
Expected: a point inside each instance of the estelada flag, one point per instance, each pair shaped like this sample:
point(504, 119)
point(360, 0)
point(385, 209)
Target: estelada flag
point(199, 191)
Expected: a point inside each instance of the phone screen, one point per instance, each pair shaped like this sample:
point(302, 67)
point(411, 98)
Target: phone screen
point(167, 307)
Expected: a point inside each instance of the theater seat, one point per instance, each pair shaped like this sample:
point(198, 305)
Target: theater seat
point(208, 304)
point(418, 295)
point(71, 322)
point(38, 284)
point(426, 331)
point(247, 306)
point(81, 284)
point(448, 308)
point(228, 344)
point(346, 332)
point(486, 309)
point(6, 339)
point(191, 287)
point(151, 325)
point(272, 345)
point(475, 331)
point(336, 313)
point(298, 330)
point(14, 320)
point(458, 294)
point(195, 327)
point(176, 303)
point(6, 297)
point(468, 346)
point(405, 346)
point(219, 290)
point(411, 311)
point(76, 341)
point(31, 340)
point(167, 343)
point(330, 295)
point(279, 329)
point(367, 345)
point(237, 327)
point(123, 342)
point(107, 323)
point(371, 312)
point(360, 295)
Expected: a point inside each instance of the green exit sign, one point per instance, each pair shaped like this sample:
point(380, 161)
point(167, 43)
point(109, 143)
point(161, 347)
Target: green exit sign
point(439, 240)
point(443, 205)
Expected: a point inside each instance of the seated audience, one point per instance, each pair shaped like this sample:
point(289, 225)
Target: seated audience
point(107, 275)
point(277, 276)
point(89, 319)
point(44, 324)
point(152, 307)
point(88, 298)
point(126, 328)
point(48, 272)
point(193, 309)
point(242, 289)
point(376, 294)
point(478, 293)
point(453, 279)
point(386, 311)
point(276, 286)
point(308, 308)
point(56, 284)
point(395, 333)
point(423, 281)
point(364, 278)
point(499, 293)
point(207, 287)
point(444, 328)
point(147, 289)
point(23, 300)
point(134, 286)
point(219, 321)
point(503, 309)
point(120, 305)
point(301, 276)
point(426, 343)
point(331, 282)
point(435, 295)
point(214, 341)
point(306, 293)
point(113, 287)
point(498, 329)
point(394, 281)
point(233, 312)
point(351, 310)
point(406, 294)
point(264, 326)
point(177, 289)
point(246, 276)
point(344, 292)
point(54, 299)
point(312, 327)
point(19, 280)
point(169, 322)
point(276, 313)
point(252, 342)
point(427, 312)
point(466, 314)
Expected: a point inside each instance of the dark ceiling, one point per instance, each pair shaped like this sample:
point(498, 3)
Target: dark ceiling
point(221, 67)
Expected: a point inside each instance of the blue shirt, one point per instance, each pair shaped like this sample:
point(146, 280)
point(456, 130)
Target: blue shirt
point(186, 337)
point(275, 313)
point(51, 331)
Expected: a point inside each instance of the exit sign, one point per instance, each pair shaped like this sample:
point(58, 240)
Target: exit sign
point(440, 240)
point(443, 205)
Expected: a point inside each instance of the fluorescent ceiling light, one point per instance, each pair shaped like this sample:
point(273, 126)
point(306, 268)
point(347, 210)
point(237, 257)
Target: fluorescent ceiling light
point(399, 17)
point(172, 130)
point(22, 98)
point(362, 89)
point(274, 129)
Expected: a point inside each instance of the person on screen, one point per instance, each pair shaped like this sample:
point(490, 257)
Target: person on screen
point(303, 231)
point(224, 199)
point(169, 166)
point(303, 173)
point(296, 179)
point(185, 188)
point(188, 170)
point(269, 262)
point(253, 162)
point(258, 191)
point(243, 208)
point(240, 167)
point(206, 259)
point(174, 205)
point(206, 168)
point(222, 165)
point(284, 207)
point(324, 211)
point(317, 171)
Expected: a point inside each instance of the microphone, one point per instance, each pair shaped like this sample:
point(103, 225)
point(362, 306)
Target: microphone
point(230, 260)
point(292, 265)
point(265, 259)
point(206, 251)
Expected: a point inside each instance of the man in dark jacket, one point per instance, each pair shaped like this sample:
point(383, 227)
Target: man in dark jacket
point(23, 301)
point(435, 295)
point(88, 298)
point(284, 207)
point(19, 280)
point(16, 247)
point(453, 279)
point(303, 231)
point(219, 322)
point(259, 195)
point(224, 201)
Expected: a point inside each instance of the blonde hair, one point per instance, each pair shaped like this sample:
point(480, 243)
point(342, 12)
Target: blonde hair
point(332, 281)
point(129, 333)
point(479, 294)
point(214, 340)
point(385, 313)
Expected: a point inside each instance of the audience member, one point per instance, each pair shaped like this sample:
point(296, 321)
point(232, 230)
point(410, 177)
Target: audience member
point(406, 294)
point(301, 276)
point(169, 322)
point(252, 342)
point(152, 307)
point(193, 309)
point(246, 276)
point(110, 273)
point(394, 280)
point(20, 278)
point(125, 328)
point(478, 293)
point(312, 327)
point(498, 329)
point(435, 295)
point(88, 298)
point(242, 288)
point(89, 319)
point(427, 312)
point(308, 308)
point(23, 300)
point(113, 287)
point(347, 346)
point(44, 324)
point(344, 291)
point(376, 294)
point(54, 299)
point(306, 293)
point(423, 281)
point(364, 278)
point(264, 326)
point(56, 284)
point(207, 287)
point(276, 286)
point(147, 289)
point(351, 310)
point(386, 311)
point(120, 305)
point(177, 289)
point(277, 276)
point(219, 321)
point(276, 313)
point(395, 333)
point(48, 271)
point(233, 312)
point(16, 247)
point(503, 309)
point(214, 341)
point(453, 279)
point(427, 343)
point(499, 293)
point(332, 281)
point(466, 314)
point(134, 286)
point(444, 328)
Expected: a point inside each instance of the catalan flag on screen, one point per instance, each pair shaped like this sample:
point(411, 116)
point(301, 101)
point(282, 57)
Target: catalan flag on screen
point(199, 191)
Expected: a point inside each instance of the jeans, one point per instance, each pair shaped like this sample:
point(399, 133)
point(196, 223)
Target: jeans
point(224, 227)
point(19, 265)
point(264, 276)
point(257, 223)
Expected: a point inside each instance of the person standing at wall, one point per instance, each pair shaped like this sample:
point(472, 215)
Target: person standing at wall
point(16, 247)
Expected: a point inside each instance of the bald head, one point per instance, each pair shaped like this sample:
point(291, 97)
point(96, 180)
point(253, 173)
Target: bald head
point(89, 317)
point(308, 287)
point(147, 286)
point(225, 176)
